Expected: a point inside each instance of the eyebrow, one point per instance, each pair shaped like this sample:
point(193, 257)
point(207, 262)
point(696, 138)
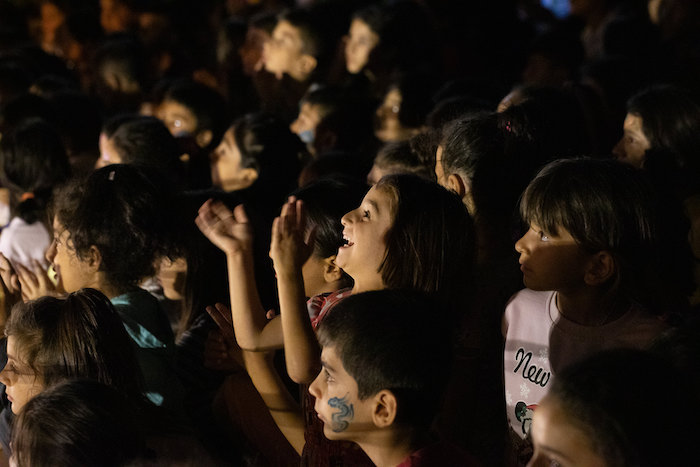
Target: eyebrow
point(374, 205)
point(325, 365)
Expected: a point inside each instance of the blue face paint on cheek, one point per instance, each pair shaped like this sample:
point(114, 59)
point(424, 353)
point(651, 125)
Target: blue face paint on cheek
point(341, 418)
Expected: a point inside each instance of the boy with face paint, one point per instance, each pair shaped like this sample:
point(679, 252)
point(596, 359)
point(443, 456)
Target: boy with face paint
point(385, 363)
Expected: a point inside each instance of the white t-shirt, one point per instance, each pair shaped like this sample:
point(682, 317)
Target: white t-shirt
point(541, 342)
point(21, 242)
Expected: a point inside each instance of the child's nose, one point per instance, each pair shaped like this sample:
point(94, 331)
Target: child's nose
point(619, 149)
point(520, 245)
point(314, 388)
point(51, 252)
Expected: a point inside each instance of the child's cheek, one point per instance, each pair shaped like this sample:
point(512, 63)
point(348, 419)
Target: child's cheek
point(342, 413)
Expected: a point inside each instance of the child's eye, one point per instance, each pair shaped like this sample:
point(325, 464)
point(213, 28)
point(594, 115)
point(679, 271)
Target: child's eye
point(543, 236)
point(365, 214)
point(328, 376)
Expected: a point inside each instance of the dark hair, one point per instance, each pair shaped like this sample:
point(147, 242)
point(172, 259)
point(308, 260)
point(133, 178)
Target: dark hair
point(407, 34)
point(608, 206)
point(416, 97)
point(315, 26)
point(401, 157)
point(145, 141)
point(474, 148)
point(207, 105)
point(78, 422)
point(123, 211)
point(80, 336)
point(430, 244)
point(344, 112)
point(613, 396)
point(268, 146)
point(33, 162)
point(326, 201)
point(387, 340)
point(670, 121)
point(122, 56)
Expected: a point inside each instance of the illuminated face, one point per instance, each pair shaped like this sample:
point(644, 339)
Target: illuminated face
point(344, 415)
point(72, 273)
point(365, 230)
point(226, 170)
point(557, 441)
point(359, 44)
point(634, 144)
point(284, 50)
point(551, 262)
point(179, 120)
point(21, 383)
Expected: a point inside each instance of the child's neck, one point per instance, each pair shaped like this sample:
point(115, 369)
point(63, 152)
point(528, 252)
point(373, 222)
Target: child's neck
point(389, 448)
point(368, 285)
point(590, 306)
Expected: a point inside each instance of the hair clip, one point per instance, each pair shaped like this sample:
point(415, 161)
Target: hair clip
point(508, 127)
point(110, 177)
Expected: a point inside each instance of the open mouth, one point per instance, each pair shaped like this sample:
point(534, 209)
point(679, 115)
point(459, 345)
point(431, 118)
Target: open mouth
point(346, 242)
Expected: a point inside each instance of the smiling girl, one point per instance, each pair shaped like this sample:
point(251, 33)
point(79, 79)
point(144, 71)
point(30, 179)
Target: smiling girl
point(398, 237)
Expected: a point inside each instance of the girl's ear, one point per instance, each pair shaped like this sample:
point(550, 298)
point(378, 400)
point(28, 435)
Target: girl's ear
point(249, 175)
point(93, 258)
point(385, 407)
point(331, 271)
point(601, 268)
point(457, 184)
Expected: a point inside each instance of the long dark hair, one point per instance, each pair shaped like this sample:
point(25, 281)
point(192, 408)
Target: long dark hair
point(80, 336)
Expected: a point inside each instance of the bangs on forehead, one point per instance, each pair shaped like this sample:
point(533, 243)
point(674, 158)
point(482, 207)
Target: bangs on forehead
point(387, 186)
point(542, 205)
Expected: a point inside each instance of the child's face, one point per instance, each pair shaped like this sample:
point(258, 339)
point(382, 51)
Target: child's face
point(365, 230)
point(307, 120)
point(359, 43)
point(283, 51)
point(226, 170)
point(72, 273)
point(558, 441)
point(21, 382)
point(343, 414)
point(551, 262)
point(634, 144)
point(179, 119)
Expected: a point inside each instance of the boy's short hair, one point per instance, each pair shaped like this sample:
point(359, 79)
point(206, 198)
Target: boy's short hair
point(393, 340)
point(207, 105)
point(146, 141)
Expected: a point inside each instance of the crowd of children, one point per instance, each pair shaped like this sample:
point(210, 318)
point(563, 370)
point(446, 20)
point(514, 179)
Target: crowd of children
point(345, 233)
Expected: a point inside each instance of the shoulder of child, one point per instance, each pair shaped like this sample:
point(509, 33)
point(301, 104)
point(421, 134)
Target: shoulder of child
point(439, 453)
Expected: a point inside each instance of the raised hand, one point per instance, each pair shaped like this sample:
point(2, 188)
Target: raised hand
point(228, 230)
point(35, 283)
point(291, 245)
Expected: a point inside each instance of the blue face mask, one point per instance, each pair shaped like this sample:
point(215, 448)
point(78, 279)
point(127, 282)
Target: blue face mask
point(307, 136)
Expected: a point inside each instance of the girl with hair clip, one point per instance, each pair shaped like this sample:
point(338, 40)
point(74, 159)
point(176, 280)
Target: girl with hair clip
point(33, 163)
point(398, 237)
point(601, 272)
point(50, 340)
point(108, 232)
